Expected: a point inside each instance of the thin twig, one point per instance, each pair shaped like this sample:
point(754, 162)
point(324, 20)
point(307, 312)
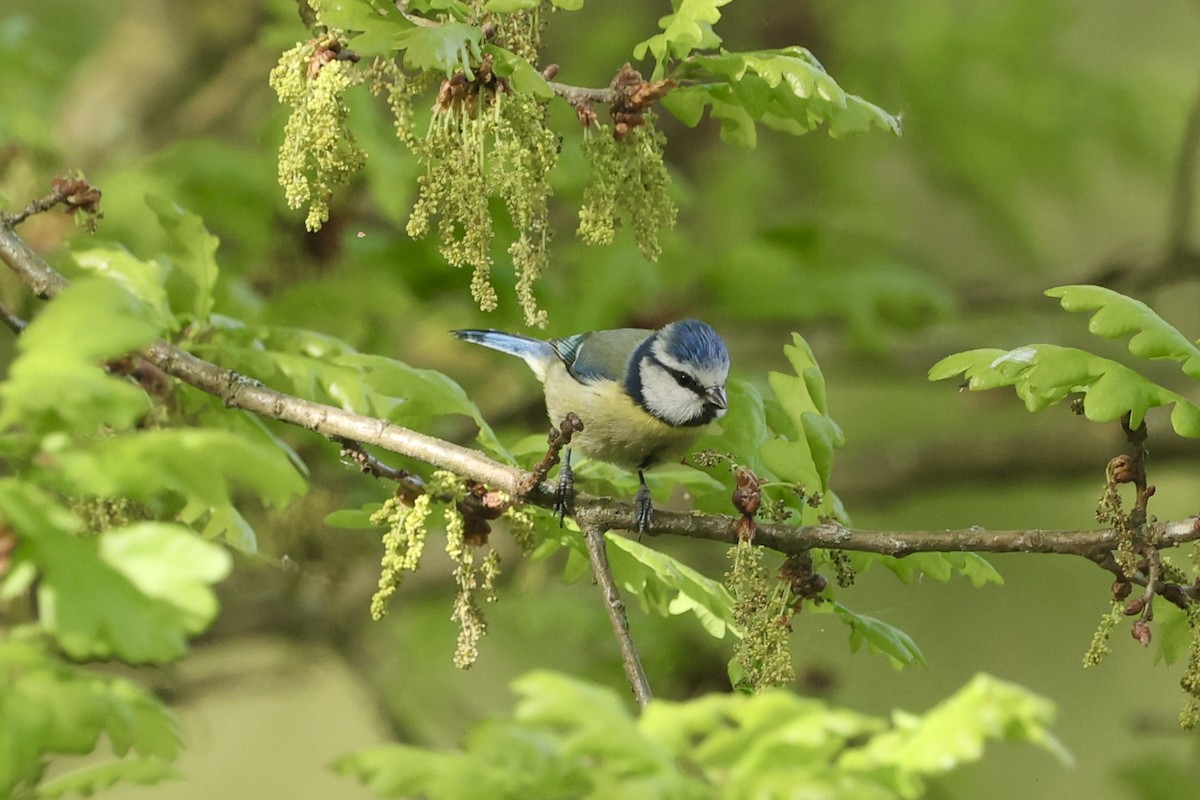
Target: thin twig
point(593, 536)
point(560, 437)
point(12, 321)
point(75, 194)
point(354, 453)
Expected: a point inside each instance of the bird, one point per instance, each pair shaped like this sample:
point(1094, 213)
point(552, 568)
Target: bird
point(643, 396)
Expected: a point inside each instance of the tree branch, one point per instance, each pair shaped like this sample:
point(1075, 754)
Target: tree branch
point(593, 536)
point(603, 514)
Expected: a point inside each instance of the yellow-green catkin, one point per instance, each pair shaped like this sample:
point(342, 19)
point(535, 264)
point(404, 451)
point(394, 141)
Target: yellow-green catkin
point(1110, 511)
point(489, 145)
point(487, 142)
point(524, 153)
point(522, 527)
point(318, 152)
point(629, 184)
point(469, 576)
point(1099, 647)
point(843, 568)
point(1189, 718)
point(471, 623)
point(100, 514)
point(763, 652)
point(403, 544)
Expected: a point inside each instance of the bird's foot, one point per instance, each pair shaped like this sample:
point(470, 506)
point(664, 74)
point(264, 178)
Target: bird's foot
point(564, 491)
point(644, 508)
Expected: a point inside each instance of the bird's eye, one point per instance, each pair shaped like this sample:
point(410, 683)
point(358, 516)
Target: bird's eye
point(685, 380)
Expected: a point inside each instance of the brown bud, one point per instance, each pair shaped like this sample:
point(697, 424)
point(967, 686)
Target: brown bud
point(1135, 606)
point(475, 529)
point(1141, 632)
point(585, 113)
point(489, 30)
point(1121, 469)
point(550, 71)
point(746, 497)
point(1121, 589)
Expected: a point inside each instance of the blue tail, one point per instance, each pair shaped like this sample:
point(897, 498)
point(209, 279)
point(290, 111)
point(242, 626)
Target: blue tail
point(537, 353)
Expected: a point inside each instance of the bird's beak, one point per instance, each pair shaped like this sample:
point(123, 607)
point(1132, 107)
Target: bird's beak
point(716, 396)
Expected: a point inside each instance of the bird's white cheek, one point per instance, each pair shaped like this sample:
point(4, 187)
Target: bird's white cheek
point(720, 413)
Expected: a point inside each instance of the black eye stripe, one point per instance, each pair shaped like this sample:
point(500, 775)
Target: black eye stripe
point(679, 376)
point(687, 381)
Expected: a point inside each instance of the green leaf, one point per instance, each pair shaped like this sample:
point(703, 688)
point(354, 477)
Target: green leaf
point(202, 465)
point(400, 770)
point(567, 5)
point(803, 400)
point(521, 74)
point(449, 47)
point(412, 397)
point(353, 518)
point(688, 29)
point(568, 738)
point(954, 732)
point(56, 381)
point(1118, 316)
point(50, 707)
point(669, 586)
point(135, 593)
point(787, 90)
point(171, 564)
point(1172, 636)
point(743, 429)
point(510, 6)
point(357, 15)
point(377, 24)
point(878, 636)
point(191, 254)
point(144, 280)
point(90, 780)
point(1044, 374)
point(939, 566)
point(227, 524)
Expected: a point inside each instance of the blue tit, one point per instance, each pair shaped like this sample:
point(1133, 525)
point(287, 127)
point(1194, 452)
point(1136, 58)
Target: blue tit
point(643, 396)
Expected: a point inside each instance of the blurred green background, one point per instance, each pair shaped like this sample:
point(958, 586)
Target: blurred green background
point(1045, 143)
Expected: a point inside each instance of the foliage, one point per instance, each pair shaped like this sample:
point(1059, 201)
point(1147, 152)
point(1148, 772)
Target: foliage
point(569, 738)
point(51, 707)
point(1044, 374)
point(489, 134)
point(124, 492)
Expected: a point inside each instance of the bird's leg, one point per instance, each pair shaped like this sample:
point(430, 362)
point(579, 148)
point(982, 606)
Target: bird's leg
point(564, 492)
point(644, 505)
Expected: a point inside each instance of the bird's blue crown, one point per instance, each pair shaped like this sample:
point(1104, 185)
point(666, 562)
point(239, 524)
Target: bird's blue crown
point(691, 341)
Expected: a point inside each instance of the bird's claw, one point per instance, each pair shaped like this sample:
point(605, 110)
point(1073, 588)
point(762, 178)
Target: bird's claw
point(644, 508)
point(564, 492)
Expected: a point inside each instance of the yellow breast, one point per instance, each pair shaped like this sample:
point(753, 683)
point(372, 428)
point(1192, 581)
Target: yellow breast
point(615, 429)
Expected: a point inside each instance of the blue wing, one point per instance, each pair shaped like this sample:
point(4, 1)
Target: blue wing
point(600, 355)
point(588, 357)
